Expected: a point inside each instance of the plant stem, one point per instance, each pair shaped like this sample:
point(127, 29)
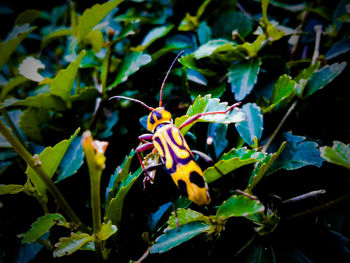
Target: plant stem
point(299, 29)
point(245, 246)
point(28, 158)
point(13, 127)
point(105, 70)
point(303, 197)
point(285, 117)
point(320, 208)
point(95, 203)
point(318, 30)
point(144, 256)
point(77, 90)
point(95, 182)
point(95, 172)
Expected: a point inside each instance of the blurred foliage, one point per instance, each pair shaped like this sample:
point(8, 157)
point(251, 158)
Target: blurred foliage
point(287, 63)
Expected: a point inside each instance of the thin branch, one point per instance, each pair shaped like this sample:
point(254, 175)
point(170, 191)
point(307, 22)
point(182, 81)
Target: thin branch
point(299, 29)
point(245, 246)
point(320, 208)
point(318, 30)
point(312, 194)
point(144, 256)
point(35, 165)
point(272, 137)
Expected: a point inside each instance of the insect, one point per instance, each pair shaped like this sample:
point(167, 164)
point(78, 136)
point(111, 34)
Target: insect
point(174, 152)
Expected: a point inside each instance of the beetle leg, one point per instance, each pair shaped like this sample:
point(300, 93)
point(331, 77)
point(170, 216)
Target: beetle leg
point(147, 177)
point(197, 116)
point(142, 148)
point(153, 167)
point(203, 156)
point(146, 137)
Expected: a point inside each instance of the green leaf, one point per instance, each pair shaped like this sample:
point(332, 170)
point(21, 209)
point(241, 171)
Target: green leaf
point(62, 84)
point(273, 31)
point(242, 76)
point(210, 47)
point(208, 104)
point(189, 23)
point(50, 159)
point(153, 35)
point(31, 122)
point(303, 77)
point(41, 226)
point(196, 76)
point(131, 64)
point(239, 205)
point(174, 237)
point(322, 77)
point(230, 22)
point(340, 11)
point(27, 252)
point(72, 160)
point(290, 7)
point(190, 61)
point(109, 121)
point(155, 217)
point(172, 43)
point(27, 16)
point(68, 245)
point(56, 33)
point(10, 85)
point(253, 48)
point(204, 33)
point(185, 216)
point(344, 18)
point(298, 153)
point(95, 39)
point(231, 161)
point(339, 48)
point(252, 127)
point(339, 154)
point(10, 189)
point(283, 90)
point(12, 41)
point(218, 132)
point(262, 167)
point(45, 101)
point(92, 16)
point(115, 207)
point(216, 92)
point(107, 230)
point(120, 174)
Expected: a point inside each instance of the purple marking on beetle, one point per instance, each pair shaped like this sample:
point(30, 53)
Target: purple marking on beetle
point(170, 134)
point(176, 159)
point(197, 179)
point(156, 115)
point(182, 187)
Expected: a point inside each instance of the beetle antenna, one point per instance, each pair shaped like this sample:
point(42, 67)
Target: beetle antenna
point(135, 100)
point(166, 76)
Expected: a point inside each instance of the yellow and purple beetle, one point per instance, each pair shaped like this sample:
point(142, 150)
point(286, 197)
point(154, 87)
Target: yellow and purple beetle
point(173, 150)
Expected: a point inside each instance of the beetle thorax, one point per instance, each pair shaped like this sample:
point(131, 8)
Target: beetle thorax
point(156, 117)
